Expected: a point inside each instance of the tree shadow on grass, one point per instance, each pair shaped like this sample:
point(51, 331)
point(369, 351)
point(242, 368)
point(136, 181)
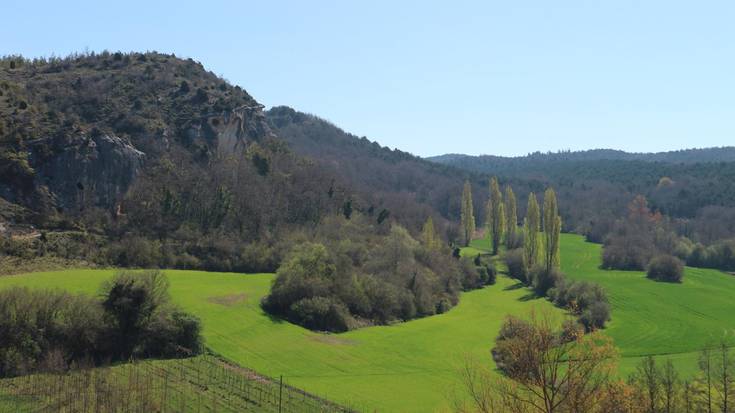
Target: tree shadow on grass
point(274, 318)
point(514, 286)
point(530, 296)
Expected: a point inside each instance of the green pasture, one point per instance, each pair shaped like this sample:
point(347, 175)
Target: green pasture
point(413, 366)
point(406, 367)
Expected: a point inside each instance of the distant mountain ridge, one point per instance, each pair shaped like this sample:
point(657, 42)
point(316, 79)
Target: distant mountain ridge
point(480, 163)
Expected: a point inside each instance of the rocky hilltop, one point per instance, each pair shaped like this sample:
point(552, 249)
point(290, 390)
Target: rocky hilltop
point(76, 132)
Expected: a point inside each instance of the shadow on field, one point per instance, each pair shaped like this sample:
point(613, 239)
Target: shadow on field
point(514, 286)
point(274, 318)
point(528, 297)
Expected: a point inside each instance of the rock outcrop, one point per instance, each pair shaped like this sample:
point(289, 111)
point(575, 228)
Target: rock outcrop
point(90, 171)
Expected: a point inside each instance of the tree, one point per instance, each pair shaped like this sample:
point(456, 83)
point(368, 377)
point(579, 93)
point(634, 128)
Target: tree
point(429, 235)
point(670, 384)
point(130, 301)
point(495, 219)
point(665, 268)
point(511, 218)
point(552, 231)
point(649, 380)
point(723, 376)
point(548, 372)
point(705, 367)
point(531, 228)
point(467, 214)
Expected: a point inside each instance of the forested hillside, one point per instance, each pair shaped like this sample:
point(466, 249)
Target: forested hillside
point(149, 160)
point(598, 185)
point(408, 186)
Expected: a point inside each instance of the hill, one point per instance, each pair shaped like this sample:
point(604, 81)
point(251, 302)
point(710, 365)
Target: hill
point(77, 132)
point(408, 185)
point(693, 187)
point(695, 155)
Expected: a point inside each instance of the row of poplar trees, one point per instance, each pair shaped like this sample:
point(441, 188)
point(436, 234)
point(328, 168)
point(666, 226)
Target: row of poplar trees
point(540, 248)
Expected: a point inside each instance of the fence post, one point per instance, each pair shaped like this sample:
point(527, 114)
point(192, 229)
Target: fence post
point(280, 393)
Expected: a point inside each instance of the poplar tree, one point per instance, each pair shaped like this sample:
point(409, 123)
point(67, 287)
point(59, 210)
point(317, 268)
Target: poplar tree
point(429, 235)
point(531, 228)
point(511, 218)
point(552, 231)
point(467, 214)
point(495, 219)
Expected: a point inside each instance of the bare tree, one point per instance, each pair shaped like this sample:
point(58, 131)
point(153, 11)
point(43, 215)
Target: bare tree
point(723, 373)
point(705, 366)
point(648, 379)
point(548, 374)
point(670, 384)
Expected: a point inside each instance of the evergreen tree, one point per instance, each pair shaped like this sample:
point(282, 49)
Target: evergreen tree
point(511, 218)
point(552, 231)
point(467, 214)
point(495, 219)
point(429, 235)
point(531, 229)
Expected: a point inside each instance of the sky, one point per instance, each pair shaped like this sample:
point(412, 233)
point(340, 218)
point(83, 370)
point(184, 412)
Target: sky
point(475, 77)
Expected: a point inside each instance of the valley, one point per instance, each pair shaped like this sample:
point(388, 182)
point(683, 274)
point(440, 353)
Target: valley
point(413, 366)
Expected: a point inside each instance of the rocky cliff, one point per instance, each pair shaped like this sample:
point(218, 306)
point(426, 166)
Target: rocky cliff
point(77, 132)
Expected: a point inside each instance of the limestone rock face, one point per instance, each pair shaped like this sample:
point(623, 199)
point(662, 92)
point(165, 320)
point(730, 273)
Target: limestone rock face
point(90, 171)
point(240, 126)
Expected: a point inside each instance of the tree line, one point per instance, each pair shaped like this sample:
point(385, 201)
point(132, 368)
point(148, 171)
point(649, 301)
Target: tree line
point(533, 251)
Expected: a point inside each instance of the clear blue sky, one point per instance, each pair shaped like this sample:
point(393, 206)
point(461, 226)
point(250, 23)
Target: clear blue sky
point(501, 77)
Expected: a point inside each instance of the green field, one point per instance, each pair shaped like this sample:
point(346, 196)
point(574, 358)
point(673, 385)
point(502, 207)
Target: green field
point(413, 366)
point(670, 321)
point(657, 318)
point(405, 367)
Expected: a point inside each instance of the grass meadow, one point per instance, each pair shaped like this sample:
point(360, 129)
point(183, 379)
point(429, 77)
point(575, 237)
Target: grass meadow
point(407, 367)
point(413, 366)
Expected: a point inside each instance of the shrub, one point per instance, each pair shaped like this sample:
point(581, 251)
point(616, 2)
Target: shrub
point(135, 251)
point(595, 315)
point(471, 276)
point(130, 301)
point(625, 254)
point(321, 313)
point(351, 273)
point(35, 322)
point(585, 299)
point(51, 330)
point(305, 274)
point(542, 280)
point(666, 268)
point(516, 265)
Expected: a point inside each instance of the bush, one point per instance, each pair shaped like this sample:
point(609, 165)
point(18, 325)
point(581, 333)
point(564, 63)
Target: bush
point(516, 265)
point(321, 313)
point(471, 275)
point(352, 273)
point(137, 252)
point(585, 299)
point(625, 254)
point(542, 280)
point(666, 268)
point(595, 315)
point(35, 322)
point(51, 330)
